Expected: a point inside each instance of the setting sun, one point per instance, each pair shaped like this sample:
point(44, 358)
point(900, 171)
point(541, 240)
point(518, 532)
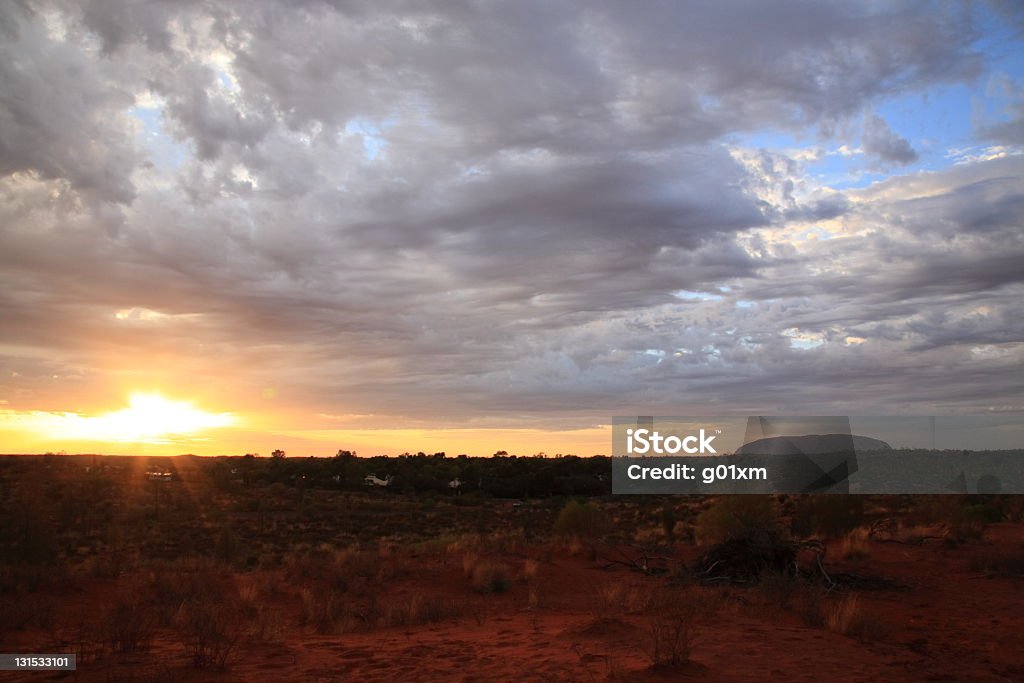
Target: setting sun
point(149, 418)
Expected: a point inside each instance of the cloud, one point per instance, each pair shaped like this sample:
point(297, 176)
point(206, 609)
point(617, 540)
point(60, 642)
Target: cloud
point(880, 141)
point(443, 212)
point(61, 116)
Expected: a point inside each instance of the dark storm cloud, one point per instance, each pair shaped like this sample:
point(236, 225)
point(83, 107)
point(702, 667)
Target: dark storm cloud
point(502, 208)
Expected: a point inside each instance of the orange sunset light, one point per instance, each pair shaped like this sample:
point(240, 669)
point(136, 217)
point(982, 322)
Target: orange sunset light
point(149, 418)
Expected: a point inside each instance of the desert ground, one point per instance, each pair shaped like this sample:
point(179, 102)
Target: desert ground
point(255, 570)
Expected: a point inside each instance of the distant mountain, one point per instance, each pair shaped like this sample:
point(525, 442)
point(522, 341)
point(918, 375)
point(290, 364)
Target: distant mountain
point(812, 444)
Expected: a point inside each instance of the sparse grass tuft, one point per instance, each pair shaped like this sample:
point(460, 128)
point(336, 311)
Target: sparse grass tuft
point(616, 599)
point(855, 546)
point(419, 609)
point(491, 577)
point(470, 560)
point(844, 616)
point(849, 618)
point(323, 610)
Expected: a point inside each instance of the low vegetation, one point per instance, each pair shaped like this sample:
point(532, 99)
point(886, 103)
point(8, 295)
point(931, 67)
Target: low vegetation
point(234, 556)
point(732, 517)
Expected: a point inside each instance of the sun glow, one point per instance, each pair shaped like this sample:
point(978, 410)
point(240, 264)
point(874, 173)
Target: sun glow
point(149, 418)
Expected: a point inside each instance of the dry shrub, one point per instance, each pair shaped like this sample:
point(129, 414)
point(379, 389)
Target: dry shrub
point(911, 534)
point(491, 576)
point(435, 547)
point(348, 570)
point(248, 595)
point(85, 643)
point(170, 588)
point(779, 588)
point(268, 583)
point(1000, 562)
point(583, 521)
point(854, 545)
point(28, 610)
point(109, 565)
point(26, 578)
point(968, 522)
point(419, 609)
point(845, 616)
point(268, 625)
point(504, 542)
point(848, 617)
point(962, 519)
point(808, 601)
point(322, 566)
point(677, 571)
point(670, 640)
point(470, 560)
point(619, 598)
point(735, 516)
point(228, 546)
point(427, 609)
point(128, 625)
point(323, 610)
point(668, 521)
point(530, 569)
point(827, 515)
point(378, 567)
point(210, 632)
point(791, 592)
point(671, 621)
point(745, 557)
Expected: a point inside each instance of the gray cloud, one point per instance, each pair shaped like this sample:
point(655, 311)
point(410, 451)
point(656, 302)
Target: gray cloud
point(515, 211)
point(57, 111)
point(880, 141)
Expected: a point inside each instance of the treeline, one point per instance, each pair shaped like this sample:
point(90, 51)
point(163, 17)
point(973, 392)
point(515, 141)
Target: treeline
point(500, 476)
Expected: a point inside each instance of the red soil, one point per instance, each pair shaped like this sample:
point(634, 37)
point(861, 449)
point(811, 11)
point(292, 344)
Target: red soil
point(954, 623)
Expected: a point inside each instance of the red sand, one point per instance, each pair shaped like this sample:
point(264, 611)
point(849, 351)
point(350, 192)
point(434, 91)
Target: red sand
point(953, 624)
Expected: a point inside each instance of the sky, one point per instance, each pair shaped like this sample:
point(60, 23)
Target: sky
point(459, 226)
